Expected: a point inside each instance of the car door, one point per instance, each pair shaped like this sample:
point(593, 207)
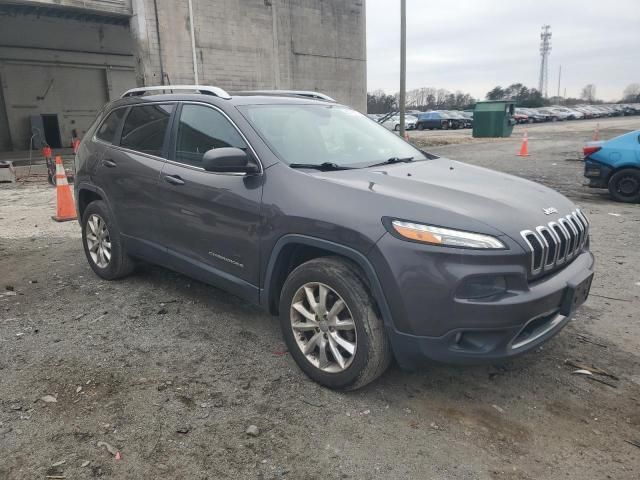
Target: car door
point(130, 167)
point(210, 221)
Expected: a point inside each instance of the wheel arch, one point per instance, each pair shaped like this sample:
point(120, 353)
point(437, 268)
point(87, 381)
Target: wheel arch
point(626, 166)
point(294, 249)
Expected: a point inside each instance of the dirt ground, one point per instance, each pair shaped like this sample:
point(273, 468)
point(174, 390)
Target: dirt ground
point(170, 373)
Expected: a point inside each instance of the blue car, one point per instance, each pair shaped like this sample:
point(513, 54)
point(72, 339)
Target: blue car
point(615, 164)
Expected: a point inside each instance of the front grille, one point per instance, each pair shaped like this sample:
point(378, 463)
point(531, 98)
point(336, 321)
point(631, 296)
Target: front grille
point(556, 243)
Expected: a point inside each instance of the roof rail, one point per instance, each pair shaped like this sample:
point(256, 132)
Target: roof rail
point(203, 89)
point(295, 93)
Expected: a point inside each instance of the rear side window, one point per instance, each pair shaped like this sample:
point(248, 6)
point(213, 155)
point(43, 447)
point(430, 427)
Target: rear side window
point(201, 129)
point(145, 127)
point(109, 128)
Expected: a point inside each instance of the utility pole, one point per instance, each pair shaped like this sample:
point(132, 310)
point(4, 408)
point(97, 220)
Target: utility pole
point(403, 62)
point(559, 77)
point(545, 49)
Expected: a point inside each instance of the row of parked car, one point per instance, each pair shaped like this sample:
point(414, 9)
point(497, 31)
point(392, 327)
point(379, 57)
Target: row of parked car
point(436, 119)
point(453, 119)
point(557, 113)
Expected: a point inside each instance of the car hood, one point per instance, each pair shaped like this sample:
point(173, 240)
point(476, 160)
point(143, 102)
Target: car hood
point(456, 195)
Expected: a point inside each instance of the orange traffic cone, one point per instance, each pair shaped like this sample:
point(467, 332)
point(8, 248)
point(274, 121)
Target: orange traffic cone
point(524, 148)
point(66, 208)
point(596, 133)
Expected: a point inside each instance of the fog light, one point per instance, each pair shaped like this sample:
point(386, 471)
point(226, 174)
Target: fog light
point(592, 172)
point(482, 287)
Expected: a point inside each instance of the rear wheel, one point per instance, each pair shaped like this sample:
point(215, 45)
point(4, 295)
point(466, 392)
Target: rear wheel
point(331, 325)
point(445, 125)
point(420, 126)
point(624, 185)
point(396, 128)
point(103, 244)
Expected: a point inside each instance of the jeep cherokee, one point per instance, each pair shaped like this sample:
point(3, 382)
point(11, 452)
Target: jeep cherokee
point(367, 248)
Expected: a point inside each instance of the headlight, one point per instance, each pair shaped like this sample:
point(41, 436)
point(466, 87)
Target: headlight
point(445, 236)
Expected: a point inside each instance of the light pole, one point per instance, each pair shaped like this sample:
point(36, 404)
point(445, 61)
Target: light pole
point(403, 61)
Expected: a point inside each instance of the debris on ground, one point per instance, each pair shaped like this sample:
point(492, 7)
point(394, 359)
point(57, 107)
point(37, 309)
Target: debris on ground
point(252, 431)
point(582, 372)
point(591, 368)
point(49, 399)
point(110, 448)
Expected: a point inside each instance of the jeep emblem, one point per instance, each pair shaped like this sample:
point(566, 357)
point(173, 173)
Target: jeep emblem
point(549, 211)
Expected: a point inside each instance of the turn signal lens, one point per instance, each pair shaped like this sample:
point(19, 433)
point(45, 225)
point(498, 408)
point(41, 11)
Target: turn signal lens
point(444, 236)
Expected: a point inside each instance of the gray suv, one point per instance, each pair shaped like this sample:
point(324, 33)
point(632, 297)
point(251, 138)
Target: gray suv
point(367, 248)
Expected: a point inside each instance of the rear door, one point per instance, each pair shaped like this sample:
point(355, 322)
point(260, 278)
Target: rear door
point(210, 221)
point(131, 166)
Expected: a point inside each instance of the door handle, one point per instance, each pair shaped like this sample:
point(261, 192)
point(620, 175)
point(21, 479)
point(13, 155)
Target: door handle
point(107, 162)
point(173, 179)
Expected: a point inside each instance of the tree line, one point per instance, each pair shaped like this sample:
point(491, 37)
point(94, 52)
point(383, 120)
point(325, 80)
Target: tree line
point(429, 98)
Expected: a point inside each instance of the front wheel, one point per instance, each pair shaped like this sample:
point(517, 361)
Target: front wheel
point(396, 128)
point(624, 185)
point(420, 126)
point(103, 244)
point(331, 326)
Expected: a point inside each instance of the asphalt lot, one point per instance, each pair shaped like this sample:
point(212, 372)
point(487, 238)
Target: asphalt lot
point(171, 372)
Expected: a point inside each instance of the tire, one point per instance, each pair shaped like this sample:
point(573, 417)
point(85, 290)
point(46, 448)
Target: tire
point(396, 128)
point(420, 126)
point(624, 185)
point(119, 264)
point(445, 126)
point(342, 281)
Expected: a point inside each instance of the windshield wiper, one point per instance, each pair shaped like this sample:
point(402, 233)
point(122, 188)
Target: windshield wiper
point(392, 160)
point(320, 166)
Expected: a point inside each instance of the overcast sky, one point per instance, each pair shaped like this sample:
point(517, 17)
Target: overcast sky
point(473, 45)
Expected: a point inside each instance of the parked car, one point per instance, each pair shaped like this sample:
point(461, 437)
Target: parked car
point(615, 164)
point(460, 121)
point(366, 247)
point(393, 123)
point(434, 120)
point(520, 117)
point(571, 114)
point(551, 115)
point(533, 115)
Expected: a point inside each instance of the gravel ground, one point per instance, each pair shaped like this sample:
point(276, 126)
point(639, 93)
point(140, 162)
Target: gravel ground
point(170, 373)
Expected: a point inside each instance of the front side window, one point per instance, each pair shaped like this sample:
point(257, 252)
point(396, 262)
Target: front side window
point(109, 128)
point(319, 133)
point(203, 128)
point(145, 127)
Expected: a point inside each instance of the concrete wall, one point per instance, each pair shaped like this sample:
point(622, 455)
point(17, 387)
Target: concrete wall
point(59, 66)
point(256, 44)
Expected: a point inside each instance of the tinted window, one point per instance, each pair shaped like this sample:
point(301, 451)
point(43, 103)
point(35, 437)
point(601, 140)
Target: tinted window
point(109, 127)
point(201, 129)
point(145, 127)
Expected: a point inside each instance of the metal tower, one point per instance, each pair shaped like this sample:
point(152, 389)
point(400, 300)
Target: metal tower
point(545, 49)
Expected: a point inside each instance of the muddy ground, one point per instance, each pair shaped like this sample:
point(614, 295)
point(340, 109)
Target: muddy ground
point(170, 372)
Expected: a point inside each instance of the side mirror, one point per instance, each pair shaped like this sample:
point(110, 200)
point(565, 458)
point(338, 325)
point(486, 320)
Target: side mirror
point(227, 160)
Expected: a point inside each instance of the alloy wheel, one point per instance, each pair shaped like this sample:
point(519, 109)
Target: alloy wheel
point(98, 241)
point(323, 327)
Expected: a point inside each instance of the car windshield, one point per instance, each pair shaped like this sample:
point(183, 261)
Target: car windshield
point(316, 134)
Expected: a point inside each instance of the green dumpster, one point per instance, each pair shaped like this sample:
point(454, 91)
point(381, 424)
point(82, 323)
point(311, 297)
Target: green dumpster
point(493, 118)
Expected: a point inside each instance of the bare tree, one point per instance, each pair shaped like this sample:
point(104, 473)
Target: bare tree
point(589, 93)
point(631, 93)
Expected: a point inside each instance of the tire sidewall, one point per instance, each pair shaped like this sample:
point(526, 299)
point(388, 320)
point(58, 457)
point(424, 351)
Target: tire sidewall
point(350, 288)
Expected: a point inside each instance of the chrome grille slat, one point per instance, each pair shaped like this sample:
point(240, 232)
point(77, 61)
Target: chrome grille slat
point(557, 242)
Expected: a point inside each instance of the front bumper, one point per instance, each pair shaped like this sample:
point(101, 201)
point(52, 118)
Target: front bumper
point(431, 323)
